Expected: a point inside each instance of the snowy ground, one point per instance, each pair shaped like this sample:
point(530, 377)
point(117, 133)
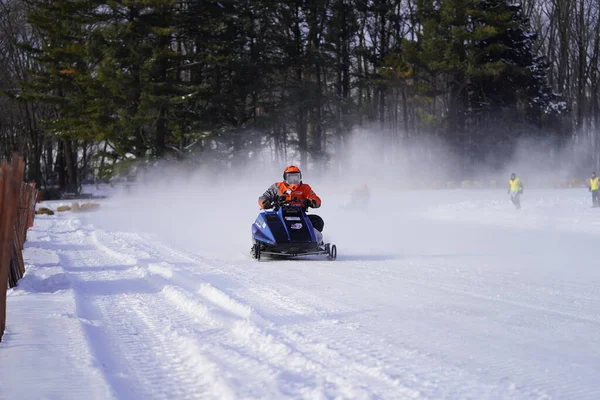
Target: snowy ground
point(441, 294)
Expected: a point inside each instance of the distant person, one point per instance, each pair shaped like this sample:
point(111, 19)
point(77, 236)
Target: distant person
point(515, 190)
point(593, 187)
point(359, 198)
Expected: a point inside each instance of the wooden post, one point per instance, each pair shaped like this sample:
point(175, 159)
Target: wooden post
point(35, 194)
point(17, 264)
point(27, 200)
point(3, 266)
point(11, 177)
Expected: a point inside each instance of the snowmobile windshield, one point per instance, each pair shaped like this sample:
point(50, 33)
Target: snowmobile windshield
point(293, 178)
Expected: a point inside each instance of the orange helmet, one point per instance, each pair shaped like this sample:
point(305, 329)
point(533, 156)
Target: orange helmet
point(292, 175)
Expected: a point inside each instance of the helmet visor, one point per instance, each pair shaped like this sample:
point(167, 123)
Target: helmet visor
point(293, 178)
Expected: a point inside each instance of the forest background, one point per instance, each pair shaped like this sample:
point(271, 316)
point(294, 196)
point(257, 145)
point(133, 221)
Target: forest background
point(436, 89)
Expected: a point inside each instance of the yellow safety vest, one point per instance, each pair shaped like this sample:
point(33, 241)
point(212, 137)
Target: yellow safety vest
point(594, 183)
point(515, 185)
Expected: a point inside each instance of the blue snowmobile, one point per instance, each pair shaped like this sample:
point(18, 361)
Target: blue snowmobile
point(286, 231)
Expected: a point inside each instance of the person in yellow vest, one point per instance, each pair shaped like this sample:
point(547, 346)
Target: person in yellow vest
point(593, 187)
point(515, 188)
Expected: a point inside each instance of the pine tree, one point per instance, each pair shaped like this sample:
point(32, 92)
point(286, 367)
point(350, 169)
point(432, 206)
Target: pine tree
point(62, 78)
point(481, 54)
point(136, 83)
point(519, 82)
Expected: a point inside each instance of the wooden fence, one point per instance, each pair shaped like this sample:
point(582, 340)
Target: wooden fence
point(17, 210)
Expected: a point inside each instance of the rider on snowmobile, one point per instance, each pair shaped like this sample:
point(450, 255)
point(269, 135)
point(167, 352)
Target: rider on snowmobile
point(295, 192)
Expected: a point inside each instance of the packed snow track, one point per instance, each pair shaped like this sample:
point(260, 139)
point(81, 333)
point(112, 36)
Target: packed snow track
point(461, 298)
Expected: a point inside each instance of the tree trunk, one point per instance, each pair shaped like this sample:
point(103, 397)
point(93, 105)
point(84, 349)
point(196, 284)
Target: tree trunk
point(60, 166)
point(71, 167)
point(101, 174)
point(161, 132)
point(582, 63)
point(49, 160)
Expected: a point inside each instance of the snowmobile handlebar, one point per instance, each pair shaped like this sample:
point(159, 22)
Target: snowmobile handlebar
point(282, 201)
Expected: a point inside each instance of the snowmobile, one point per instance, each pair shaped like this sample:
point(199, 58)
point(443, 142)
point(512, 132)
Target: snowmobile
point(286, 231)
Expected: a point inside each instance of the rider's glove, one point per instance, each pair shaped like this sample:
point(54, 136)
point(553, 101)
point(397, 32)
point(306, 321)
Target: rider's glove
point(310, 203)
point(267, 203)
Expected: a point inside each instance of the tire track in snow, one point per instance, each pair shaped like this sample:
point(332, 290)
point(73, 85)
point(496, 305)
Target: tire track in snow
point(379, 365)
point(368, 368)
point(143, 342)
point(227, 274)
point(253, 347)
point(509, 374)
point(166, 344)
point(256, 337)
point(509, 382)
point(461, 292)
point(245, 346)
